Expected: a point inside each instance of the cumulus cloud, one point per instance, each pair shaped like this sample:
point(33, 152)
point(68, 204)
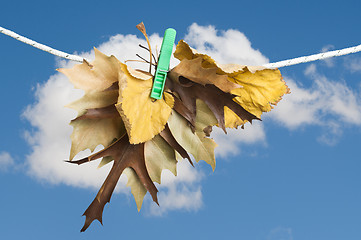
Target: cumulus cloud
point(327, 103)
point(230, 46)
point(6, 161)
point(49, 137)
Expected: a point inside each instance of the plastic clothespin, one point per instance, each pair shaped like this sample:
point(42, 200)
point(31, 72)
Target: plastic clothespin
point(163, 63)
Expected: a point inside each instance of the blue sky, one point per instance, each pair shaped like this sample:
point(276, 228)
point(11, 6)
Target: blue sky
point(293, 176)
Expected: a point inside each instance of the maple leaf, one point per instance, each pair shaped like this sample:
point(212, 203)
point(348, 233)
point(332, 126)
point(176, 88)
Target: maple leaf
point(96, 76)
point(98, 122)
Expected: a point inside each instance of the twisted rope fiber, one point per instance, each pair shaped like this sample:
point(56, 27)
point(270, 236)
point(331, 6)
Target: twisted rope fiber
point(314, 57)
point(41, 46)
point(284, 63)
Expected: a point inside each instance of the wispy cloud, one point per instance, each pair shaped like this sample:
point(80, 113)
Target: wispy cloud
point(329, 104)
point(230, 144)
point(280, 233)
point(353, 64)
point(6, 161)
point(330, 62)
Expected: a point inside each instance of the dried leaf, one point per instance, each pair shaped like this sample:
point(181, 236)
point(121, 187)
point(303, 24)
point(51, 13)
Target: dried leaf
point(137, 188)
point(166, 134)
point(89, 133)
point(180, 108)
point(260, 88)
point(94, 99)
point(143, 117)
point(215, 99)
point(193, 70)
point(159, 155)
point(201, 147)
point(97, 76)
point(205, 117)
point(125, 155)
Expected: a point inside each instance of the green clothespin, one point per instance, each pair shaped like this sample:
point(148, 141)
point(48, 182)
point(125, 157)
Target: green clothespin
point(163, 63)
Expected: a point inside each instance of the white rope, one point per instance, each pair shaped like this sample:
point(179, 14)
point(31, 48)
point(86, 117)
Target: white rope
point(314, 57)
point(279, 64)
point(41, 46)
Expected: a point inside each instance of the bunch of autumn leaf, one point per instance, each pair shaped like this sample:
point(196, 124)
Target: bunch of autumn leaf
point(143, 136)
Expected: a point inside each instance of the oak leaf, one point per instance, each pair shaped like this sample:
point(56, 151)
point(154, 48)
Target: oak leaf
point(192, 69)
point(125, 155)
point(259, 88)
point(215, 99)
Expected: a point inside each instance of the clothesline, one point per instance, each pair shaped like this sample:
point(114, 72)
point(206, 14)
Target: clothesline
point(284, 63)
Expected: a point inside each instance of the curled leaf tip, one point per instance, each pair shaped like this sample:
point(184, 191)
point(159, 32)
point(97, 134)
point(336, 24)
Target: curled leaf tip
point(141, 27)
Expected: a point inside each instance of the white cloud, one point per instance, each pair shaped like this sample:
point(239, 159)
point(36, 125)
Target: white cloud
point(179, 192)
point(230, 46)
point(229, 144)
point(329, 104)
point(50, 136)
point(330, 62)
point(6, 161)
point(280, 233)
point(353, 64)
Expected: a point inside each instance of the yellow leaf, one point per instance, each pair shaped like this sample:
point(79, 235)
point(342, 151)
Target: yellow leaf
point(259, 89)
point(143, 117)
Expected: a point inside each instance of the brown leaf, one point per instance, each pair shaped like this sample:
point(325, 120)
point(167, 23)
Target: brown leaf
point(215, 98)
point(166, 134)
point(97, 113)
point(181, 108)
point(194, 71)
point(125, 155)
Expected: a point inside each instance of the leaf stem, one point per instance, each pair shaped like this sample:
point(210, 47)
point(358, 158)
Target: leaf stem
point(141, 28)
